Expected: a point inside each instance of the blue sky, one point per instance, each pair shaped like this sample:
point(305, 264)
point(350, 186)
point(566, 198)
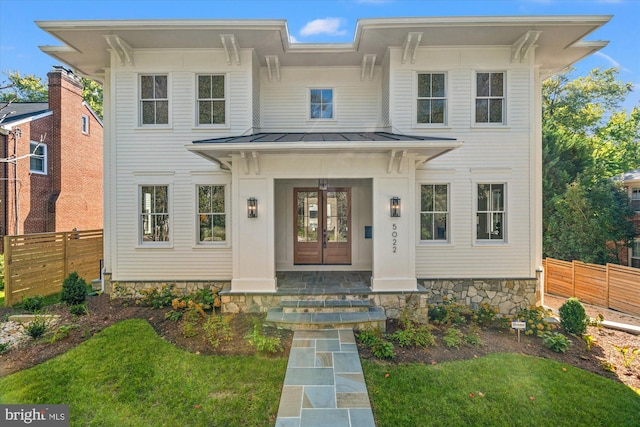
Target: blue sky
point(314, 21)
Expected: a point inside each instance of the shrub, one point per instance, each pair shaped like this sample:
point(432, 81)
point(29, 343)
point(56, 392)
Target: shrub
point(156, 298)
point(74, 289)
point(263, 343)
point(534, 318)
point(190, 319)
point(452, 338)
point(556, 341)
point(4, 346)
point(573, 317)
point(216, 329)
point(413, 334)
point(32, 304)
point(484, 315)
point(374, 339)
point(78, 309)
point(36, 328)
point(448, 313)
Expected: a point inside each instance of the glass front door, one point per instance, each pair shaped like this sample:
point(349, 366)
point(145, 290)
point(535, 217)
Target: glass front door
point(322, 232)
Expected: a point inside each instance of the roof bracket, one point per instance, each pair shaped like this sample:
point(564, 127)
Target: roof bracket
point(245, 163)
point(230, 47)
point(410, 46)
point(403, 155)
point(365, 60)
point(256, 163)
point(520, 49)
point(273, 64)
point(121, 48)
point(392, 156)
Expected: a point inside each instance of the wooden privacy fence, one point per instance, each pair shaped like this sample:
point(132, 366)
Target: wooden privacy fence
point(610, 286)
point(37, 264)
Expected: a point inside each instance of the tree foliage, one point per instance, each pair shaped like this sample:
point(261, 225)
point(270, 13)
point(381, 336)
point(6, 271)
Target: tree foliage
point(31, 88)
point(587, 140)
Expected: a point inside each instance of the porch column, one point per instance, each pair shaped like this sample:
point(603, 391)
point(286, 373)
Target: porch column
point(394, 251)
point(253, 238)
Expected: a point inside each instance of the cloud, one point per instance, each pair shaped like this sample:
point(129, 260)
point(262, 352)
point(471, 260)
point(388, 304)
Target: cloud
point(611, 61)
point(329, 26)
point(292, 39)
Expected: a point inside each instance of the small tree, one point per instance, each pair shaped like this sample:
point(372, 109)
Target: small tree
point(74, 289)
point(573, 317)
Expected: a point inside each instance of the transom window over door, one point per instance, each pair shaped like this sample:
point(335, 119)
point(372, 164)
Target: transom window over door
point(490, 90)
point(490, 214)
point(154, 99)
point(321, 104)
point(211, 100)
point(432, 102)
point(434, 212)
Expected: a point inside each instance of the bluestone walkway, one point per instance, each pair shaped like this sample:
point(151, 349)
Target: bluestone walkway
point(324, 384)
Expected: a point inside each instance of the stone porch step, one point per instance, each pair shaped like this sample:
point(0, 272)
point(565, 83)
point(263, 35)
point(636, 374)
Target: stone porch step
point(373, 317)
point(327, 306)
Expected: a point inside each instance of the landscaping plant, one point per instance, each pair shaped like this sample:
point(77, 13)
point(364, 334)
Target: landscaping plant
point(573, 317)
point(453, 337)
point(556, 341)
point(4, 346)
point(32, 304)
point(78, 309)
point(36, 328)
point(628, 355)
point(263, 343)
point(534, 317)
point(217, 329)
point(74, 289)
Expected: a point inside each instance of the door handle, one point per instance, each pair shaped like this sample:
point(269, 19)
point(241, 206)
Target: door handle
point(324, 238)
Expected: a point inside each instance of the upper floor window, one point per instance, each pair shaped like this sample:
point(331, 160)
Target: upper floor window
point(211, 100)
point(38, 159)
point(490, 213)
point(490, 90)
point(85, 124)
point(154, 99)
point(321, 104)
point(434, 211)
point(432, 101)
point(154, 213)
point(635, 198)
point(211, 214)
point(635, 254)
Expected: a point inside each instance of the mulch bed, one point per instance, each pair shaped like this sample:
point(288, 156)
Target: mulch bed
point(103, 312)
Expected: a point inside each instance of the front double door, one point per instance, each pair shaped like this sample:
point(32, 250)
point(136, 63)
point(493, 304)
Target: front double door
point(322, 232)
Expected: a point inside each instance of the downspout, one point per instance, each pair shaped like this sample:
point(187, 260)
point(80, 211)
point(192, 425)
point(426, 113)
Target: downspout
point(15, 182)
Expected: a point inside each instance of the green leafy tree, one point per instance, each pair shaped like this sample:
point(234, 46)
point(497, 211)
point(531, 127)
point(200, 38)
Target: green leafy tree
point(587, 140)
point(92, 94)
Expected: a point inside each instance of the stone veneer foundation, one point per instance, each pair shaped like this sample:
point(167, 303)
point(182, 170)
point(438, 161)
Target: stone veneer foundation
point(508, 295)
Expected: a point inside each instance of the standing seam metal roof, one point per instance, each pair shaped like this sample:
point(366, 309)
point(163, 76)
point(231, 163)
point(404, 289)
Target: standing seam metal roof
point(320, 137)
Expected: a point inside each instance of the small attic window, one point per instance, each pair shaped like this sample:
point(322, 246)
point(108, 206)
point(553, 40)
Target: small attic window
point(85, 124)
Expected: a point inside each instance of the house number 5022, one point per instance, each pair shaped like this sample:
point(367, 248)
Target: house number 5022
point(394, 237)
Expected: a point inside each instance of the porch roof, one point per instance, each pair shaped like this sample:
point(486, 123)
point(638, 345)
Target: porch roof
point(221, 150)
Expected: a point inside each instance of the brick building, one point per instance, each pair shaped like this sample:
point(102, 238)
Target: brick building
point(631, 182)
point(51, 179)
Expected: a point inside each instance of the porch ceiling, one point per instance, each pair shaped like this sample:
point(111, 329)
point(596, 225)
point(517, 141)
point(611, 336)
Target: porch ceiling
point(221, 150)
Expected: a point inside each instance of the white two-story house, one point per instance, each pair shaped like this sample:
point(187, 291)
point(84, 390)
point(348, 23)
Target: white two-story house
point(412, 154)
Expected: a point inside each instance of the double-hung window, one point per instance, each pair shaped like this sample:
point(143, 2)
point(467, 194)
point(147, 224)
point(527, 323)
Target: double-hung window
point(490, 98)
point(490, 212)
point(434, 212)
point(38, 158)
point(212, 217)
point(154, 99)
point(211, 100)
point(635, 199)
point(321, 104)
point(154, 213)
point(432, 101)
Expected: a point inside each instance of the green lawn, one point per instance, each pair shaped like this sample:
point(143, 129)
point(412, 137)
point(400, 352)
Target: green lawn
point(128, 376)
point(518, 391)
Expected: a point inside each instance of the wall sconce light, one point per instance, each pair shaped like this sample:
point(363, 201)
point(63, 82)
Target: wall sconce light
point(394, 208)
point(252, 207)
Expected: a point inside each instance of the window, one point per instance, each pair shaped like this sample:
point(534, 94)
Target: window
point(434, 211)
point(211, 214)
point(490, 98)
point(211, 102)
point(154, 213)
point(490, 214)
point(154, 99)
point(85, 124)
point(321, 106)
point(635, 254)
point(432, 102)
point(635, 199)
point(38, 159)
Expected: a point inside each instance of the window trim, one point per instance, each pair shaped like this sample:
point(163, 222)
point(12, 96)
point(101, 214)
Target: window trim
point(154, 244)
point(334, 111)
point(85, 124)
point(224, 125)
point(505, 211)
point(220, 243)
point(635, 190)
point(44, 157)
point(631, 255)
point(445, 123)
point(448, 215)
point(475, 97)
point(140, 101)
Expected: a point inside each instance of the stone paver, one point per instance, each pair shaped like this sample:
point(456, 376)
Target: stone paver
point(324, 384)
